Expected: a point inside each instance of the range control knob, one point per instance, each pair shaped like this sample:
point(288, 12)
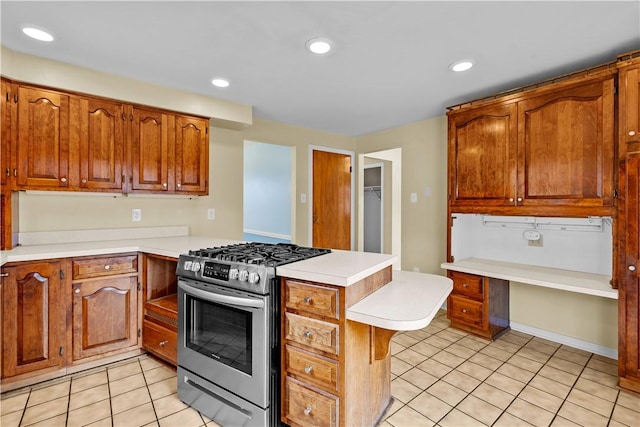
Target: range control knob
point(254, 277)
point(195, 266)
point(243, 276)
point(233, 274)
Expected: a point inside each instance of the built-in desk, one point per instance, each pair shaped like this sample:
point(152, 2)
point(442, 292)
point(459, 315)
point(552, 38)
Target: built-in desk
point(566, 280)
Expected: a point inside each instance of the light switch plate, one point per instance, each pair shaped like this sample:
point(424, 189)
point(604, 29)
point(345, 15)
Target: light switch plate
point(136, 215)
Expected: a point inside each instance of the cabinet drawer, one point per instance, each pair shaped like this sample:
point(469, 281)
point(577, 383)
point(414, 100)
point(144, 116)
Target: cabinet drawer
point(84, 268)
point(312, 299)
point(160, 341)
point(312, 333)
point(309, 407)
point(311, 368)
point(466, 310)
point(467, 284)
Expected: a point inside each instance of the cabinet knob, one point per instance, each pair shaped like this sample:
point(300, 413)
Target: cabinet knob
point(632, 133)
point(307, 410)
point(178, 185)
point(163, 343)
point(511, 199)
point(308, 369)
point(519, 199)
point(63, 179)
point(307, 334)
point(107, 267)
point(76, 291)
point(84, 181)
point(164, 184)
point(464, 285)
point(307, 300)
point(632, 268)
point(464, 310)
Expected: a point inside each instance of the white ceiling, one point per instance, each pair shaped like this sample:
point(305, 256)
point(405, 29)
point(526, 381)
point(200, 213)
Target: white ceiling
point(389, 66)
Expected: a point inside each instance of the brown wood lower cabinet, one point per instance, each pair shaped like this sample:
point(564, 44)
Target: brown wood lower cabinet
point(331, 375)
point(33, 318)
point(478, 304)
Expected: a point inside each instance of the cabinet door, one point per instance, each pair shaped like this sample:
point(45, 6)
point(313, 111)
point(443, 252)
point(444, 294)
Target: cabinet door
point(33, 318)
point(630, 279)
point(42, 138)
point(152, 145)
point(192, 155)
point(566, 147)
point(100, 143)
point(482, 153)
point(104, 316)
point(629, 101)
point(5, 123)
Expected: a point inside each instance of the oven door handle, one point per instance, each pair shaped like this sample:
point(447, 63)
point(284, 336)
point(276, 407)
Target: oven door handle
point(224, 299)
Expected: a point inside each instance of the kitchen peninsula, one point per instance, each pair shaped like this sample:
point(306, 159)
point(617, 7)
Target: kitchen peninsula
point(354, 306)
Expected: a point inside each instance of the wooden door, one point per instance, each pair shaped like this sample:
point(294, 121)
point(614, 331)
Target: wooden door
point(42, 138)
point(331, 200)
point(33, 318)
point(482, 156)
point(192, 155)
point(152, 144)
point(629, 311)
point(566, 147)
point(100, 142)
point(104, 316)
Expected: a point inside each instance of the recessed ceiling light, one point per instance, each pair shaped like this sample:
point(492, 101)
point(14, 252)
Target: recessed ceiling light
point(37, 34)
point(218, 82)
point(319, 45)
point(463, 65)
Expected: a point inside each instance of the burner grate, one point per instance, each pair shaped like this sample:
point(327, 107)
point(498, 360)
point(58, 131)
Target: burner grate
point(267, 254)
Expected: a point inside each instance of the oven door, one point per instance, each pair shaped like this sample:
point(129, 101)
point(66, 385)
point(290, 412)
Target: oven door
point(223, 337)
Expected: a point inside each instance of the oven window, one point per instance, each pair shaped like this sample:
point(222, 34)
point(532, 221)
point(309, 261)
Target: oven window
point(220, 332)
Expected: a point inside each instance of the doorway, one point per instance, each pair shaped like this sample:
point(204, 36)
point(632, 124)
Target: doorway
point(373, 207)
point(267, 192)
point(332, 199)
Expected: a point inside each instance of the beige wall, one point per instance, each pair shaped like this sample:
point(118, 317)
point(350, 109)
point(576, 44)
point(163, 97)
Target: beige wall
point(424, 163)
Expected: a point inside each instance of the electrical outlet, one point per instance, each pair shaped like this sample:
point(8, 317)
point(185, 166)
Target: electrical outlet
point(536, 243)
point(136, 215)
point(303, 198)
point(211, 214)
point(414, 197)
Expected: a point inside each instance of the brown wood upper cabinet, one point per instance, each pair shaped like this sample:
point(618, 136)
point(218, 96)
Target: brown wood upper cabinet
point(77, 142)
point(548, 150)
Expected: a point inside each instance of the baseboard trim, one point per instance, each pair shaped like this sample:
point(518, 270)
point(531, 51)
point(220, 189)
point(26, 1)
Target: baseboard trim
point(611, 353)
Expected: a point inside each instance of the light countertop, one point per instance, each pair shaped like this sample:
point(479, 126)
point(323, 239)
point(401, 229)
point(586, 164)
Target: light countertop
point(409, 302)
point(566, 280)
point(340, 268)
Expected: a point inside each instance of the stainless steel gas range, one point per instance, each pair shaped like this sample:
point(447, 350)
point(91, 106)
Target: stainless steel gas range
point(228, 330)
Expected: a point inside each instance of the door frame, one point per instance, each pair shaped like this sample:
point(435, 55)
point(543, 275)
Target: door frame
point(381, 166)
point(351, 154)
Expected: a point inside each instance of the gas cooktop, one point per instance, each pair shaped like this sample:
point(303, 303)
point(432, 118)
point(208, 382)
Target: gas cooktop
point(266, 254)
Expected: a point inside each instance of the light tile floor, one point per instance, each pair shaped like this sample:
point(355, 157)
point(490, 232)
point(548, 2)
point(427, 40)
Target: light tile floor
point(440, 376)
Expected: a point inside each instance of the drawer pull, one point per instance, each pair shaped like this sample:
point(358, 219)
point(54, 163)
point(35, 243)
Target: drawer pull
point(308, 369)
point(307, 300)
point(307, 334)
point(307, 410)
point(76, 290)
point(163, 343)
point(107, 267)
point(464, 310)
point(632, 133)
point(464, 285)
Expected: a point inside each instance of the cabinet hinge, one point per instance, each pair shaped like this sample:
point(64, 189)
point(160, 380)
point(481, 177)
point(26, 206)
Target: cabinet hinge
point(131, 117)
point(61, 351)
point(139, 333)
point(350, 169)
point(8, 172)
point(8, 97)
point(139, 286)
point(124, 117)
point(615, 193)
point(61, 274)
point(615, 90)
point(15, 98)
